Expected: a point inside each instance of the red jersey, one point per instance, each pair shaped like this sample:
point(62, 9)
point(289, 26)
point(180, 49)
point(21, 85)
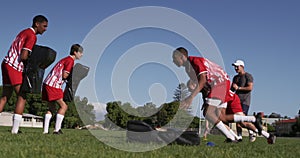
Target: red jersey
point(217, 78)
point(54, 78)
point(215, 74)
point(26, 39)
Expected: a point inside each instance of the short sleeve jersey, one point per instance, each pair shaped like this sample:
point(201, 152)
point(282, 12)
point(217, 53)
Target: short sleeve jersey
point(243, 81)
point(26, 39)
point(215, 74)
point(54, 78)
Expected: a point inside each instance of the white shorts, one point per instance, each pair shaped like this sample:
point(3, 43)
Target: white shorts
point(216, 102)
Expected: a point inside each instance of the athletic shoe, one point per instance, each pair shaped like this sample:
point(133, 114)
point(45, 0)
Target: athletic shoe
point(228, 140)
point(252, 138)
point(258, 123)
point(239, 138)
point(45, 132)
point(271, 139)
point(19, 132)
point(58, 132)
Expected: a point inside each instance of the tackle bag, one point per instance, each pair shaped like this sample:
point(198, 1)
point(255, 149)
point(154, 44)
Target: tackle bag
point(182, 137)
point(139, 131)
point(40, 58)
point(78, 73)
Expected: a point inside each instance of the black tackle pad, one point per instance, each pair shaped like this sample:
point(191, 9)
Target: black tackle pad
point(40, 58)
point(78, 73)
point(139, 131)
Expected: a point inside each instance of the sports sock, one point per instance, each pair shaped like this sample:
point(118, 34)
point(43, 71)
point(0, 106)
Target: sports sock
point(235, 136)
point(47, 122)
point(250, 132)
point(240, 118)
point(16, 123)
point(224, 130)
point(59, 119)
point(239, 132)
point(265, 134)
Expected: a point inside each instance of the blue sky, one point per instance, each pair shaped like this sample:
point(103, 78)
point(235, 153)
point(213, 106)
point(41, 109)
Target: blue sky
point(265, 34)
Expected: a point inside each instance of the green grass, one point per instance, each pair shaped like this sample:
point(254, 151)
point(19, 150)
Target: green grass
point(81, 143)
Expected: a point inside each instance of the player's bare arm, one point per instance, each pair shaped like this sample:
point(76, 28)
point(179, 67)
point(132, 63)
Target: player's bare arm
point(24, 54)
point(188, 101)
point(65, 75)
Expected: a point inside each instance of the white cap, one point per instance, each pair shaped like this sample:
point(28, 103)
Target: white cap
point(238, 63)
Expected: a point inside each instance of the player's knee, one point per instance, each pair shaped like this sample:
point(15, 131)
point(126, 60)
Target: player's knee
point(23, 95)
point(64, 106)
point(243, 124)
point(4, 99)
point(222, 118)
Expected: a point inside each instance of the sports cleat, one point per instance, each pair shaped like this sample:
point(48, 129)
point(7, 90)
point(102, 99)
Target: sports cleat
point(58, 132)
point(252, 138)
point(258, 123)
point(19, 132)
point(228, 140)
point(239, 138)
point(271, 139)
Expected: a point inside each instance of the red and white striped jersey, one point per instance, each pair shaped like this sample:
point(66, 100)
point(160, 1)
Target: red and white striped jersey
point(54, 78)
point(215, 73)
point(26, 39)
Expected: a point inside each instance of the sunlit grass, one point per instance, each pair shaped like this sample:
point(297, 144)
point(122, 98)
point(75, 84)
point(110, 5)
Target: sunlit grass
point(81, 143)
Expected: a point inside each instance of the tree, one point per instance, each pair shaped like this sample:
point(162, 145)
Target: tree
point(129, 109)
point(79, 115)
point(270, 128)
point(147, 110)
point(85, 110)
point(34, 105)
point(296, 126)
point(181, 92)
point(111, 118)
point(195, 122)
point(10, 105)
point(118, 116)
point(167, 112)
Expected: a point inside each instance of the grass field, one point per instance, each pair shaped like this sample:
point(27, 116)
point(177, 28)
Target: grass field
point(81, 143)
